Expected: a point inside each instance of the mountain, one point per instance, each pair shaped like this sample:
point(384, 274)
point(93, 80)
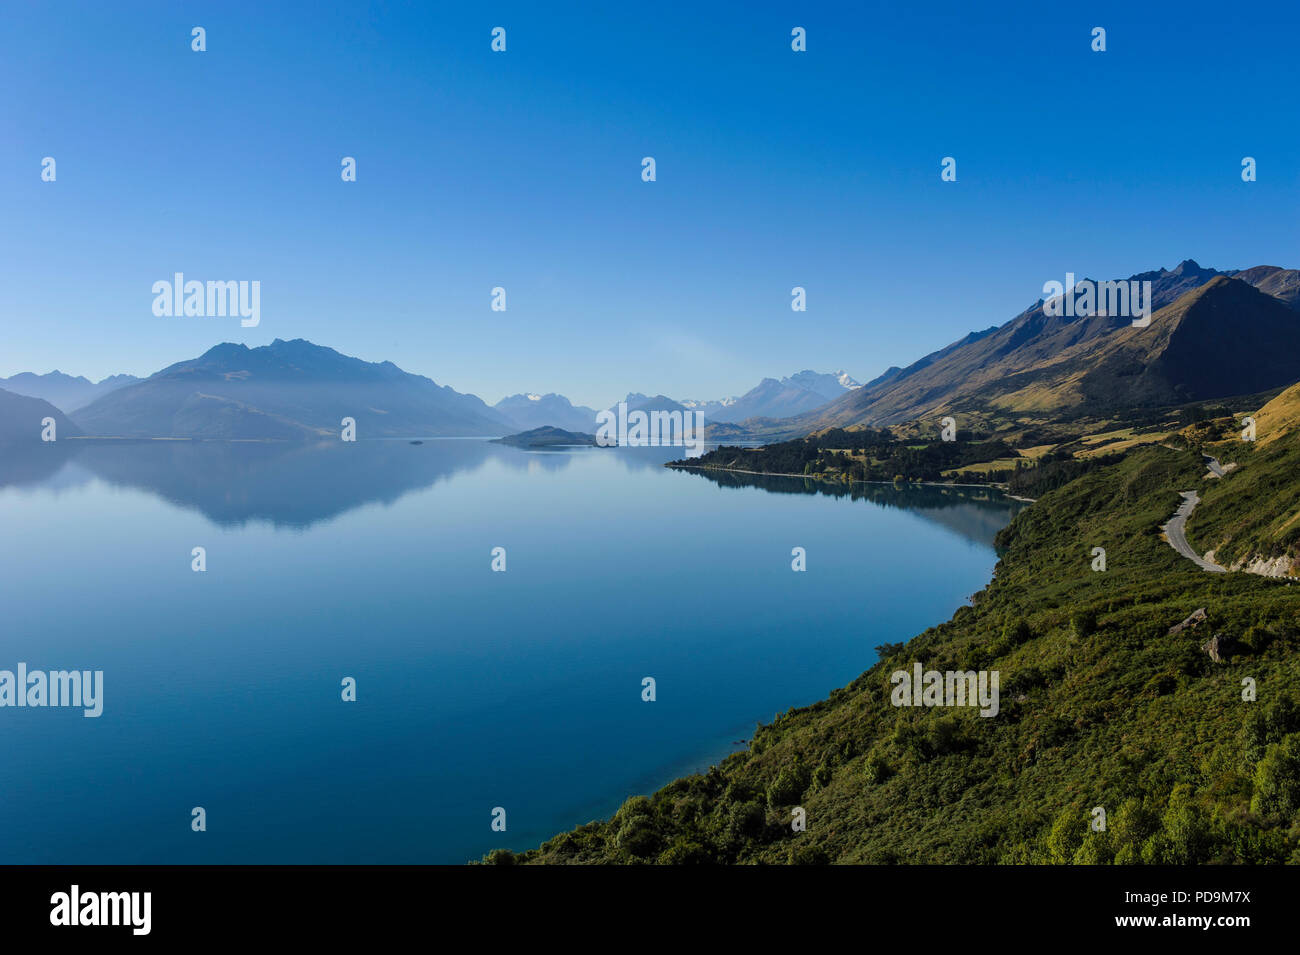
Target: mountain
point(639, 402)
point(1211, 335)
point(288, 389)
point(64, 391)
point(530, 411)
point(21, 417)
point(771, 398)
point(829, 386)
point(1282, 284)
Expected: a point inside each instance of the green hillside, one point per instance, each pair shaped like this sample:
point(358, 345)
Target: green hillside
point(1253, 512)
point(1099, 706)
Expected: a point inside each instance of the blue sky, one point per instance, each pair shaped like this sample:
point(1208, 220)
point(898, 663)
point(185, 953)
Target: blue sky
point(522, 170)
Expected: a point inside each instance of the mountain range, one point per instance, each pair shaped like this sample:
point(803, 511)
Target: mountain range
point(527, 412)
point(1212, 335)
point(773, 398)
point(288, 389)
point(65, 392)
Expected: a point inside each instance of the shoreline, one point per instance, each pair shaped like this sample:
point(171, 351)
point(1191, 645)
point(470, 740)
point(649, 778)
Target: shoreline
point(809, 477)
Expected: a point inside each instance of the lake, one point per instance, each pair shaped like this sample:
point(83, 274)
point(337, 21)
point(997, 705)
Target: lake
point(475, 689)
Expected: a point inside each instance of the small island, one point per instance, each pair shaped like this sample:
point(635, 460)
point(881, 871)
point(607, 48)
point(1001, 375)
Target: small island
point(548, 437)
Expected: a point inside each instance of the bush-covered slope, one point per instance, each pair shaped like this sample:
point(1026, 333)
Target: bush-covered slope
point(1253, 511)
point(1100, 706)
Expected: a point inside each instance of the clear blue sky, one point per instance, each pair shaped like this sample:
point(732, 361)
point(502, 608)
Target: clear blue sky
point(522, 170)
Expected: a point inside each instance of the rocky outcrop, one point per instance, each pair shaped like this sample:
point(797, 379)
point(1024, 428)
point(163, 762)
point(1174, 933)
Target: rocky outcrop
point(1220, 647)
point(1196, 619)
point(1268, 566)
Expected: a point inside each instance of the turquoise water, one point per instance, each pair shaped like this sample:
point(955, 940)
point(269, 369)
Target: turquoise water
point(475, 689)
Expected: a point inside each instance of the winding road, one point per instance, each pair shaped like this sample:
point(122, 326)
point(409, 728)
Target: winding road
point(1176, 529)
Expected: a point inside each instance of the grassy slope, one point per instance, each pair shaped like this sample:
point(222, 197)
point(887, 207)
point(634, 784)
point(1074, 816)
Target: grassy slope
point(1255, 510)
point(1098, 707)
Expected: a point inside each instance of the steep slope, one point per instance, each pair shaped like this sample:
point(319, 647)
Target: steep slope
point(1225, 338)
point(1282, 284)
point(1102, 703)
point(1250, 517)
point(286, 389)
point(1211, 336)
point(21, 417)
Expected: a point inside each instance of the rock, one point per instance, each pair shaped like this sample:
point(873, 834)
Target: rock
point(1197, 617)
point(1219, 647)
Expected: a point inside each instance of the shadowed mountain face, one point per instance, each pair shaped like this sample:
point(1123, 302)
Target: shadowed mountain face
point(286, 390)
point(64, 391)
point(21, 417)
point(1282, 284)
point(1211, 336)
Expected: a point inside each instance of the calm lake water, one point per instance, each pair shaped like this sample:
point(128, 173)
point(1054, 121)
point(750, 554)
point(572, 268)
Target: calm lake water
point(475, 689)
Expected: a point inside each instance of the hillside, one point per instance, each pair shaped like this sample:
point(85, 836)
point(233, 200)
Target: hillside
point(1250, 517)
point(1101, 705)
point(284, 390)
point(21, 417)
point(548, 437)
point(1211, 336)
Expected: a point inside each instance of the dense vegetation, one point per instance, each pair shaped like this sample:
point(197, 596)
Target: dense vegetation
point(1054, 470)
point(1254, 511)
point(859, 455)
point(1100, 706)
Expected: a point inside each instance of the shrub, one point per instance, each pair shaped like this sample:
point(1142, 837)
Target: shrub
point(787, 788)
point(1277, 780)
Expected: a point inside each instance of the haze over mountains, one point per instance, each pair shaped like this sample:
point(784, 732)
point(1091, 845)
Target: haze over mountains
point(300, 390)
point(783, 398)
point(65, 392)
point(21, 417)
point(1212, 335)
point(527, 412)
point(288, 389)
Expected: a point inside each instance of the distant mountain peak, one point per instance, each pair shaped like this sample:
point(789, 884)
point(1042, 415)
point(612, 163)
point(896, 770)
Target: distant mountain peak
point(65, 392)
point(286, 389)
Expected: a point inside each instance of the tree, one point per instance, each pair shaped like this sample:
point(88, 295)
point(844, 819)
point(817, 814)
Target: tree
point(1066, 836)
point(1277, 780)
